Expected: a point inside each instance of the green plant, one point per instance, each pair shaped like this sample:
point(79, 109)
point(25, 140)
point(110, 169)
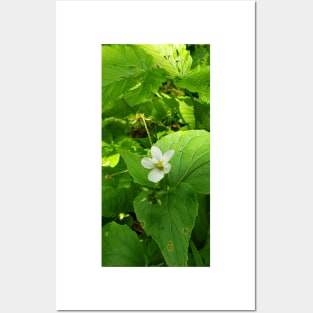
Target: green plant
point(156, 155)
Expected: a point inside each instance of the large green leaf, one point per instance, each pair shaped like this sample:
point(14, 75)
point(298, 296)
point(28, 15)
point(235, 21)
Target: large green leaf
point(173, 58)
point(145, 86)
point(169, 218)
point(121, 246)
point(129, 72)
point(191, 160)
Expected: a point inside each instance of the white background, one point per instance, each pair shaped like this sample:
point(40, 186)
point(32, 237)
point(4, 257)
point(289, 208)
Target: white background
point(81, 29)
point(284, 156)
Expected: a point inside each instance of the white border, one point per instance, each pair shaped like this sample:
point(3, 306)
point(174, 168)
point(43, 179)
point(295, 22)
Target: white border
point(82, 26)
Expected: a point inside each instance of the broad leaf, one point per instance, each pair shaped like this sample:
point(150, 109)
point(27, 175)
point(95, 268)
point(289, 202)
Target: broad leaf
point(129, 72)
point(121, 246)
point(145, 86)
point(174, 59)
point(197, 80)
point(169, 218)
point(191, 160)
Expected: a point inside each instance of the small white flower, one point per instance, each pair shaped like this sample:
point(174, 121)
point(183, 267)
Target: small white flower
point(158, 163)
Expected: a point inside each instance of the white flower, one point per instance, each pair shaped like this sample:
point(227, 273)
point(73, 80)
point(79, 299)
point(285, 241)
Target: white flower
point(158, 163)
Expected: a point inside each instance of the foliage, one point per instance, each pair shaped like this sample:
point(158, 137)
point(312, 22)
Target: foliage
point(156, 95)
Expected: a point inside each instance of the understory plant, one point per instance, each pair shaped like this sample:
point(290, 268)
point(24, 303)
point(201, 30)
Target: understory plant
point(156, 155)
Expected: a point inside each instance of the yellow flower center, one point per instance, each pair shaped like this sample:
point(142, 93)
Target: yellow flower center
point(159, 165)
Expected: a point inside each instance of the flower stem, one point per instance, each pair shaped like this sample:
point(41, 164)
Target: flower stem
point(147, 130)
point(109, 176)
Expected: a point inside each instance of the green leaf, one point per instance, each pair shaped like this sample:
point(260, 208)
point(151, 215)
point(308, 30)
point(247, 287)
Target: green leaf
point(115, 135)
point(174, 59)
point(112, 129)
point(146, 85)
point(117, 177)
point(199, 233)
point(153, 252)
point(191, 260)
point(191, 160)
point(200, 55)
point(111, 160)
point(117, 109)
point(169, 218)
point(196, 254)
point(121, 246)
point(205, 252)
point(186, 110)
point(136, 170)
point(129, 72)
point(202, 115)
point(197, 80)
point(116, 200)
point(118, 191)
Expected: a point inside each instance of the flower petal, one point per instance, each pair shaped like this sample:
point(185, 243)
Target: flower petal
point(168, 155)
point(156, 153)
point(147, 163)
point(155, 175)
point(166, 168)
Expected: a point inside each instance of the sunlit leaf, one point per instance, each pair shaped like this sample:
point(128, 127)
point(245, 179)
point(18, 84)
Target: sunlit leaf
point(111, 160)
point(128, 72)
point(173, 58)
